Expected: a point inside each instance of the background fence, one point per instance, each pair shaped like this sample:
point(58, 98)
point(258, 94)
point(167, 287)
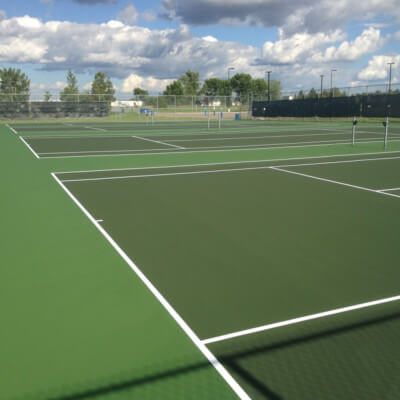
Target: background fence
point(362, 101)
point(371, 100)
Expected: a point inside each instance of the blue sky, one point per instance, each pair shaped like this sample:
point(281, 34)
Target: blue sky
point(149, 43)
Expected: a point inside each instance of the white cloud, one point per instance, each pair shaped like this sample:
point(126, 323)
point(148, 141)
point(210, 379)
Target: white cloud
point(296, 47)
point(147, 58)
point(150, 84)
point(210, 39)
point(293, 16)
point(129, 15)
point(119, 49)
point(378, 68)
point(3, 15)
point(369, 41)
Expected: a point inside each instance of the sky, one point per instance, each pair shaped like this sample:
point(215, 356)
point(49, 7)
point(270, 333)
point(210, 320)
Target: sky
point(149, 43)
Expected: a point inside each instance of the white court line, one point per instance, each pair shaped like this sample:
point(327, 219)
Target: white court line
point(203, 148)
point(387, 190)
point(99, 220)
point(102, 151)
point(214, 171)
point(261, 137)
point(242, 162)
point(77, 136)
point(29, 147)
point(158, 141)
point(11, 129)
point(178, 319)
point(226, 131)
point(218, 149)
point(299, 320)
point(338, 162)
point(332, 181)
point(96, 129)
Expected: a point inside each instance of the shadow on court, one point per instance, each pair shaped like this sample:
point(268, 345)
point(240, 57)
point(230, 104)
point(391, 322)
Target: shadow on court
point(249, 378)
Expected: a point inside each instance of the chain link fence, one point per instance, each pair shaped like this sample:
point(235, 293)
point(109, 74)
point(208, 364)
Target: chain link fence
point(15, 106)
point(362, 101)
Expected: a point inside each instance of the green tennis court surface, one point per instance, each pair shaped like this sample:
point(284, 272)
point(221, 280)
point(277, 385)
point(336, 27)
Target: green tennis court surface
point(74, 140)
point(286, 271)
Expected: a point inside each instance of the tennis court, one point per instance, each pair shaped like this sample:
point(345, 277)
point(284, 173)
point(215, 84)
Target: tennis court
point(187, 273)
point(84, 140)
point(253, 254)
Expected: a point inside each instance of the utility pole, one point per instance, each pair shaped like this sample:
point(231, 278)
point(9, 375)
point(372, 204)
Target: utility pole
point(332, 71)
point(269, 81)
point(390, 76)
point(322, 80)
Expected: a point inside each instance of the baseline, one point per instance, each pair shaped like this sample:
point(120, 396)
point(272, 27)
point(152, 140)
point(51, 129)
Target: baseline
point(242, 162)
point(299, 320)
point(278, 168)
point(333, 181)
point(219, 149)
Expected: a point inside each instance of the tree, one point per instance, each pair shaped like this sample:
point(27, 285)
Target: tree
point(140, 92)
point(312, 94)
point(71, 91)
point(241, 84)
point(47, 96)
point(259, 87)
point(174, 89)
point(216, 87)
point(300, 95)
point(15, 85)
point(212, 87)
point(191, 83)
point(102, 88)
point(275, 89)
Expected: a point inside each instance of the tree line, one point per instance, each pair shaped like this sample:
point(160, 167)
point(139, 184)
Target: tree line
point(15, 86)
point(240, 85)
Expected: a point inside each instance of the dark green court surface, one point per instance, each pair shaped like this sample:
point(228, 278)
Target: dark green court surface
point(265, 274)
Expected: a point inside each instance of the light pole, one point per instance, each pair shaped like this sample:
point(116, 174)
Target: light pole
point(322, 80)
point(332, 71)
point(269, 95)
point(229, 70)
point(390, 76)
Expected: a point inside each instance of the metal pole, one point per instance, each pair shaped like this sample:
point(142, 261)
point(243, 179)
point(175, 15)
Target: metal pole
point(332, 71)
point(354, 131)
point(386, 124)
point(269, 81)
point(322, 79)
point(390, 75)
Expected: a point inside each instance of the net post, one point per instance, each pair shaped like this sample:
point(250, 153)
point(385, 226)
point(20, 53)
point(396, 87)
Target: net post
point(354, 131)
point(386, 125)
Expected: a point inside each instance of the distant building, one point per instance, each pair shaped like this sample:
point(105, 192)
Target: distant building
point(127, 103)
